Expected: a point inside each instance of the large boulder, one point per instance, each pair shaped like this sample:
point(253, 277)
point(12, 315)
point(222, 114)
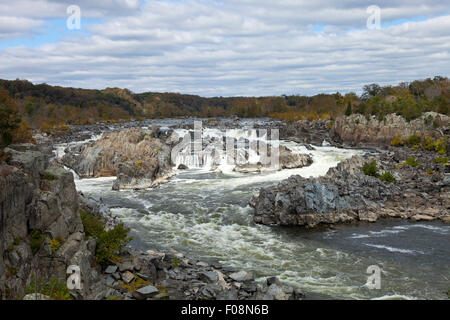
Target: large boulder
point(139, 158)
point(337, 197)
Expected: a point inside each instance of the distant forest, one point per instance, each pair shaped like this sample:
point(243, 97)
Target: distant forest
point(52, 108)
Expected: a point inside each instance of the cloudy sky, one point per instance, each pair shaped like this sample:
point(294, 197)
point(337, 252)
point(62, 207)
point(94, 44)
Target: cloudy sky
point(224, 48)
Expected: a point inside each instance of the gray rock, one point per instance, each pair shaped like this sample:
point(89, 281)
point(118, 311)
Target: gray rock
point(127, 277)
point(36, 296)
point(209, 276)
point(273, 280)
point(110, 281)
point(241, 276)
point(111, 269)
point(148, 291)
point(126, 266)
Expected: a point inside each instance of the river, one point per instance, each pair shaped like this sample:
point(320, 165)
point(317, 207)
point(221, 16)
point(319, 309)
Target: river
point(206, 216)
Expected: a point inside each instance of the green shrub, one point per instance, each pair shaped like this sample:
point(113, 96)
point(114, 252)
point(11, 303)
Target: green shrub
point(109, 243)
point(55, 244)
point(442, 160)
point(176, 261)
point(440, 146)
point(397, 141)
point(93, 226)
point(413, 140)
point(411, 162)
point(37, 238)
point(55, 289)
point(48, 176)
point(370, 168)
point(388, 177)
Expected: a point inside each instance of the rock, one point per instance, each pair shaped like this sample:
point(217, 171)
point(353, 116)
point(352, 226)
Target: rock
point(333, 198)
point(36, 296)
point(139, 158)
point(445, 219)
point(273, 280)
point(126, 266)
point(110, 281)
point(277, 292)
point(148, 291)
point(111, 269)
point(241, 276)
point(421, 217)
point(290, 160)
point(127, 277)
point(161, 296)
point(357, 130)
point(202, 264)
point(35, 195)
point(182, 167)
point(209, 276)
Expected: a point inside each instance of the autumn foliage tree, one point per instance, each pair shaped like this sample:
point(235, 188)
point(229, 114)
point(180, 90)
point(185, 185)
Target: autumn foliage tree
point(9, 118)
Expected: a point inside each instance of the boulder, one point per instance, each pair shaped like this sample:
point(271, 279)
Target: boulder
point(241, 276)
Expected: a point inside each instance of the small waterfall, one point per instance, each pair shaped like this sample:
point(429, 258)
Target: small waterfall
point(219, 149)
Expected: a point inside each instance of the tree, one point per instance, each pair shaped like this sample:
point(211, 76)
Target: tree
point(9, 118)
point(371, 90)
point(348, 111)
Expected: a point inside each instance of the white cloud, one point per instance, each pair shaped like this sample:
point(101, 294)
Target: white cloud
point(238, 47)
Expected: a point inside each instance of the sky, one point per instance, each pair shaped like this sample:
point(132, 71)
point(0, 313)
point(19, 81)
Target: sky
point(224, 48)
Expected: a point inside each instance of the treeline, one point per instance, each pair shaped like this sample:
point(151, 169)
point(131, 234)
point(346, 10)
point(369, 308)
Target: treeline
point(52, 108)
point(407, 99)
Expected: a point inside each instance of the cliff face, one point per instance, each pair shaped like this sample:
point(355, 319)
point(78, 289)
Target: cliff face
point(38, 204)
point(356, 130)
point(139, 158)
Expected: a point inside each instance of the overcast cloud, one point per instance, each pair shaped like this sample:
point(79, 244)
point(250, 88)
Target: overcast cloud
point(213, 48)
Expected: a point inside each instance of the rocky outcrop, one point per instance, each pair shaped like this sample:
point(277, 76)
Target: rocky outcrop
point(291, 160)
point(38, 209)
point(357, 130)
point(346, 194)
point(287, 160)
point(302, 131)
point(139, 158)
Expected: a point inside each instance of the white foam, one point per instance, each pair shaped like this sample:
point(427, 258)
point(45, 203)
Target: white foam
point(392, 249)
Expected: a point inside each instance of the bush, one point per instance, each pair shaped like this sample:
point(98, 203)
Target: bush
point(55, 289)
point(55, 244)
point(411, 162)
point(48, 176)
point(388, 177)
point(370, 168)
point(413, 140)
point(93, 226)
point(109, 243)
point(37, 238)
point(397, 141)
point(442, 160)
point(440, 146)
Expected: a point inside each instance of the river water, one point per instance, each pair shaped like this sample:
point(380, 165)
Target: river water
point(206, 216)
